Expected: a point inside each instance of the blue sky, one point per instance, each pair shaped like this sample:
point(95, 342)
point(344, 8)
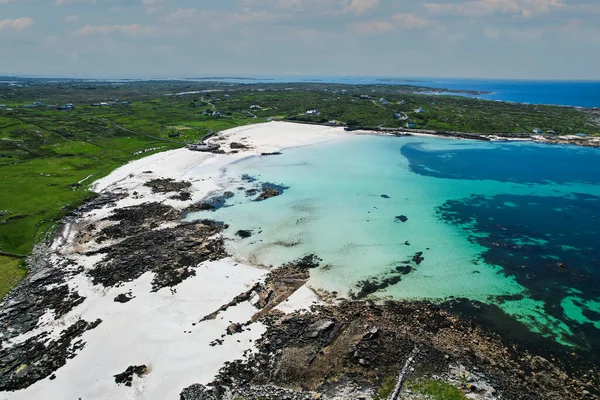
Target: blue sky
point(529, 39)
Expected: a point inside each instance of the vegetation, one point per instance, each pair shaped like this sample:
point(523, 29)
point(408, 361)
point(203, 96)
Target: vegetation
point(386, 389)
point(437, 390)
point(49, 157)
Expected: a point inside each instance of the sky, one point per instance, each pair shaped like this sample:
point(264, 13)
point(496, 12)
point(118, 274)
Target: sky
point(512, 39)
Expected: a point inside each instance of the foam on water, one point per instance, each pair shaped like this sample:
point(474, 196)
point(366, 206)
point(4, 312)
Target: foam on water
point(344, 198)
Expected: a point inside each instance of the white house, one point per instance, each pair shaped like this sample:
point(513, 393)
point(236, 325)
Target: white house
point(538, 130)
point(312, 113)
point(411, 125)
point(419, 111)
point(255, 107)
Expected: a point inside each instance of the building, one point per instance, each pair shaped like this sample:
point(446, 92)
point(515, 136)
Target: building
point(218, 113)
point(312, 113)
point(402, 102)
point(538, 131)
point(384, 101)
point(411, 125)
point(365, 96)
point(419, 111)
point(255, 107)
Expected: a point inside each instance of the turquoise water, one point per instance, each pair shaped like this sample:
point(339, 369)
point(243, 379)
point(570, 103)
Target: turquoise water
point(510, 224)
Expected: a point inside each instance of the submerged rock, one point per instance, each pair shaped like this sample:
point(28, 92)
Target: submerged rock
point(401, 218)
point(244, 234)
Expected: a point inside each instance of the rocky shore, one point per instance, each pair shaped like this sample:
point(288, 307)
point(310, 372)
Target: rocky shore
point(590, 141)
point(354, 349)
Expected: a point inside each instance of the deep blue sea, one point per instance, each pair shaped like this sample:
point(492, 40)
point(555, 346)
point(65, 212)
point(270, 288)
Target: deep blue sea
point(565, 93)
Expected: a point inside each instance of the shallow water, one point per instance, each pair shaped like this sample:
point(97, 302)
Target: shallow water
point(514, 224)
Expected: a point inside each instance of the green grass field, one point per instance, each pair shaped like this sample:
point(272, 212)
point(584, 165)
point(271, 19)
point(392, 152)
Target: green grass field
point(48, 158)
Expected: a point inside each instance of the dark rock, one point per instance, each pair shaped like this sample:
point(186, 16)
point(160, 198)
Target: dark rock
point(167, 185)
point(404, 269)
point(401, 218)
point(123, 298)
point(236, 145)
point(25, 363)
point(171, 253)
point(182, 196)
point(248, 178)
point(418, 258)
point(385, 196)
point(126, 377)
point(267, 194)
point(275, 153)
point(198, 392)
point(234, 328)
point(228, 194)
point(244, 234)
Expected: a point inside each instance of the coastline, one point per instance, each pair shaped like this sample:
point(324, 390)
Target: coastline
point(155, 328)
point(204, 316)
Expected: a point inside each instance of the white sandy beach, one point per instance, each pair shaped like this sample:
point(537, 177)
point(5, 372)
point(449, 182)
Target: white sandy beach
point(155, 328)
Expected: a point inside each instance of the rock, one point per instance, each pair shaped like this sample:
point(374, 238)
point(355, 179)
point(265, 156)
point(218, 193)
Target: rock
point(234, 328)
point(385, 196)
point(418, 258)
point(123, 298)
point(401, 218)
point(372, 334)
point(319, 327)
point(244, 234)
point(126, 377)
point(236, 145)
point(267, 194)
point(228, 194)
point(198, 392)
point(167, 185)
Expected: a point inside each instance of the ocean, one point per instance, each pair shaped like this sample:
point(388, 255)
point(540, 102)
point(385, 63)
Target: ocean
point(565, 93)
point(514, 225)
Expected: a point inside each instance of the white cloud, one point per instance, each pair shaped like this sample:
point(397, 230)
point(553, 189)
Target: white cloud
point(72, 18)
point(182, 14)
point(130, 30)
point(358, 7)
point(398, 21)
point(484, 8)
point(409, 21)
point(373, 27)
point(19, 24)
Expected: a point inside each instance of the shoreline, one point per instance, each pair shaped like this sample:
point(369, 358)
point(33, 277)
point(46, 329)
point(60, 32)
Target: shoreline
point(97, 318)
point(71, 255)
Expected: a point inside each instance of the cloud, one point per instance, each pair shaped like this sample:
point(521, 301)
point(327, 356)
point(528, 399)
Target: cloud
point(152, 6)
point(398, 21)
point(182, 14)
point(19, 24)
point(374, 27)
point(130, 30)
point(63, 2)
point(358, 7)
point(484, 8)
point(409, 21)
point(72, 18)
